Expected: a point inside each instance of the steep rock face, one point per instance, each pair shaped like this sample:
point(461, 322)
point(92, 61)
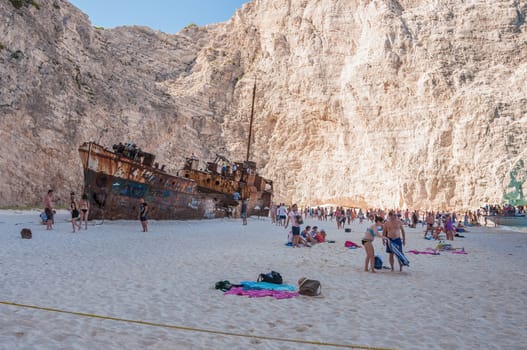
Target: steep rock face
point(373, 103)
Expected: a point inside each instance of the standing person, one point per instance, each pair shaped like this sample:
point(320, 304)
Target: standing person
point(84, 205)
point(143, 214)
point(295, 218)
point(429, 223)
point(449, 228)
point(393, 230)
point(272, 212)
point(243, 213)
point(74, 212)
point(367, 242)
point(281, 214)
point(48, 209)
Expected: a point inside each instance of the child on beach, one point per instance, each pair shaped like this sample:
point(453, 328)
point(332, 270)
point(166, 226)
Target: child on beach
point(305, 235)
point(367, 242)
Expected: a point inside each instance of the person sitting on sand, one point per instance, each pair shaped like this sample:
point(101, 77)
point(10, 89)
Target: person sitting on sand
point(313, 233)
point(367, 242)
point(306, 235)
point(320, 237)
point(460, 227)
point(437, 231)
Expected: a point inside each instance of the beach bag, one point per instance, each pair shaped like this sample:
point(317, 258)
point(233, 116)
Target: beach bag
point(378, 262)
point(271, 277)
point(311, 288)
point(299, 219)
point(26, 233)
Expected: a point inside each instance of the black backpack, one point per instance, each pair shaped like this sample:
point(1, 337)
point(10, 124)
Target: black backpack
point(271, 277)
point(378, 262)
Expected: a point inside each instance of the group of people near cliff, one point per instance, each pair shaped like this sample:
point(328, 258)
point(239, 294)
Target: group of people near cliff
point(79, 211)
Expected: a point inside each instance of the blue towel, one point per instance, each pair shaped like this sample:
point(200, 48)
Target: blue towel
point(266, 285)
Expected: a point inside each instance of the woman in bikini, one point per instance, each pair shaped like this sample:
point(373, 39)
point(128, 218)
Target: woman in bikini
point(74, 212)
point(367, 242)
point(85, 209)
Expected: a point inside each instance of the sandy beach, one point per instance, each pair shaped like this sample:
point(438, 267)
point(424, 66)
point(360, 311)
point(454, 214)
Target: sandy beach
point(114, 287)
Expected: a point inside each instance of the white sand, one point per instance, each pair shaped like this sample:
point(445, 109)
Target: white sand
point(474, 301)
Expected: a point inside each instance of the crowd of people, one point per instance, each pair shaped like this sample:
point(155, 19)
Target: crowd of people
point(387, 224)
point(79, 210)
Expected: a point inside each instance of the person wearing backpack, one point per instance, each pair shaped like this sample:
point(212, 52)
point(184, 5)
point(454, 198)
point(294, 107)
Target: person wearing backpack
point(294, 217)
point(367, 242)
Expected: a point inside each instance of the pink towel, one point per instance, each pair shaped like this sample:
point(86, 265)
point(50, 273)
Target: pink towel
point(259, 293)
point(350, 244)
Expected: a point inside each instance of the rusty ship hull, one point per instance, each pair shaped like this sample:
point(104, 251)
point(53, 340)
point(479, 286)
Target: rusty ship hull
point(256, 190)
point(114, 183)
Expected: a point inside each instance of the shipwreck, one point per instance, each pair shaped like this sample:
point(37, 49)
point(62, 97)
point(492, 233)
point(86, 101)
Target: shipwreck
point(115, 179)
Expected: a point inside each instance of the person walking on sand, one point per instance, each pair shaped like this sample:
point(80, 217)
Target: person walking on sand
point(84, 205)
point(74, 213)
point(48, 209)
point(393, 230)
point(143, 214)
point(367, 242)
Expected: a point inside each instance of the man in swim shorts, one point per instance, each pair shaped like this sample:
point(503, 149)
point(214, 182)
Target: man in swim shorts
point(393, 230)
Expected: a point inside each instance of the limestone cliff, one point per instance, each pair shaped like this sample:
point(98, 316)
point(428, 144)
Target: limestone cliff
point(374, 103)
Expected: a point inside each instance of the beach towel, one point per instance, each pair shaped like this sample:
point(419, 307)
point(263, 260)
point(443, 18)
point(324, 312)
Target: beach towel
point(259, 293)
point(451, 250)
point(426, 252)
point(403, 260)
point(351, 245)
point(247, 285)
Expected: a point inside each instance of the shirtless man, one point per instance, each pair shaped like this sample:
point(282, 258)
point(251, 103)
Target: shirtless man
point(429, 223)
point(393, 230)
